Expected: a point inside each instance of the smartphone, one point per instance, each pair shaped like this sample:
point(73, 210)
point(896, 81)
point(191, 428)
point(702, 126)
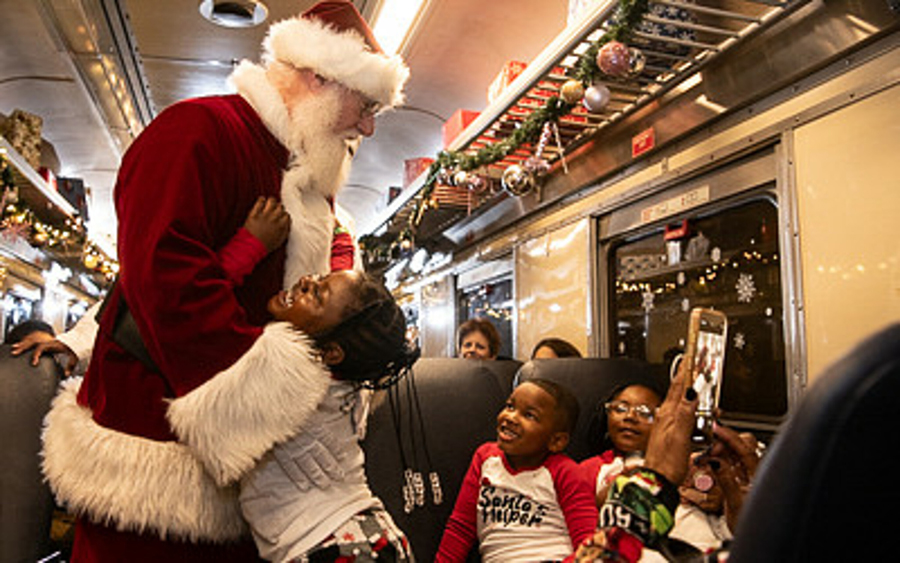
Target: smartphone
point(705, 355)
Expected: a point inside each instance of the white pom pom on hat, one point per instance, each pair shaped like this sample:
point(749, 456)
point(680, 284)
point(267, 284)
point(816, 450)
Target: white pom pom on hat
point(333, 40)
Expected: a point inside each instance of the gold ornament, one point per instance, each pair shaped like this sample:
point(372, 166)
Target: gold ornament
point(91, 261)
point(572, 91)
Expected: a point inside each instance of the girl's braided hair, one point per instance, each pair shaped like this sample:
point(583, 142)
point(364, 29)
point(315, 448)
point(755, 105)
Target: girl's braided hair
point(373, 338)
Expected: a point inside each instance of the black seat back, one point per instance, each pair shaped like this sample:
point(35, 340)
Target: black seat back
point(25, 518)
point(827, 488)
point(459, 401)
point(592, 380)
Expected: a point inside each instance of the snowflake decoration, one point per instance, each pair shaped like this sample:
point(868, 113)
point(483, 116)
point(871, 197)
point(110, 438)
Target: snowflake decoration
point(740, 340)
point(647, 300)
point(685, 304)
point(746, 288)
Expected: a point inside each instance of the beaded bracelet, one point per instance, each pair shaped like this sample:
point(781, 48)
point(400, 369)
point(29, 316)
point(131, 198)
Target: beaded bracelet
point(643, 504)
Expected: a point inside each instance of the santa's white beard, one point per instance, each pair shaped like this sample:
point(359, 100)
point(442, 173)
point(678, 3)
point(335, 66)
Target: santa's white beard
point(320, 163)
point(316, 147)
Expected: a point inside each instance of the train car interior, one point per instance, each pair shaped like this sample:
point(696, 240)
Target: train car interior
point(590, 170)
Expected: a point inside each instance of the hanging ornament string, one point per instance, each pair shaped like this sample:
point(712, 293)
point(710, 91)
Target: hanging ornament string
point(562, 154)
point(413, 475)
point(537, 164)
point(406, 488)
point(413, 487)
point(434, 480)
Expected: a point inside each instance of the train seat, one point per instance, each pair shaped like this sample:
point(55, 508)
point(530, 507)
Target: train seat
point(458, 401)
point(827, 487)
point(27, 512)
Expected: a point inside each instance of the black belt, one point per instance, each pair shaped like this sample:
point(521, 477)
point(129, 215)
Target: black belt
point(125, 331)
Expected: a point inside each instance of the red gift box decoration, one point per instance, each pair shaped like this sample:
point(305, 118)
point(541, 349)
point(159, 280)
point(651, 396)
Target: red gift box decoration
point(413, 168)
point(510, 71)
point(456, 124)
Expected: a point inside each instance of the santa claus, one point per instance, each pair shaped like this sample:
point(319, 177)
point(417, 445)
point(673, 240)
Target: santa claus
point(146, 453)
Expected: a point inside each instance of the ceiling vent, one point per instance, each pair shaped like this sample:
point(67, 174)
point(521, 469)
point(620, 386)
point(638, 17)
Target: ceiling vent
point(234, 13)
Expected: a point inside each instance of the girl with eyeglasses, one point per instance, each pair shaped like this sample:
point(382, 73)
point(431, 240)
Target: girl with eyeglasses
point(629, 416)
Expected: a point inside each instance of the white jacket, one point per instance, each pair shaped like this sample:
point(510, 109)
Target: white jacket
point(288, 514)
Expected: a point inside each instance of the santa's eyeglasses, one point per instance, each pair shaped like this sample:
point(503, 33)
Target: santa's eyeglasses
point(368, 106)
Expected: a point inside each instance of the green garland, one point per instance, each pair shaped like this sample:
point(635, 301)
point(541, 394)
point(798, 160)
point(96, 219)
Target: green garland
point(380, 250)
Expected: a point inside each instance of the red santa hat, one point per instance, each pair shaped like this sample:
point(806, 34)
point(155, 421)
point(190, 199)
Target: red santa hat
point(333, 40)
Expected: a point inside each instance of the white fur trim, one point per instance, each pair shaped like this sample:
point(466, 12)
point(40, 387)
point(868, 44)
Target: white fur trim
point(133, 483)
point(312, 221)
point(250, 81)
point(341, 56)
point(230, 421)
point(308, 248)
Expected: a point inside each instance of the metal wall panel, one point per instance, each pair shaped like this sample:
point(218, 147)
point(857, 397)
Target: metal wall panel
point(553, 288)
point(848, 202)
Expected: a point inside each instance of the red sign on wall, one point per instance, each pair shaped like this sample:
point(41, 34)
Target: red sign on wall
point(643, 142)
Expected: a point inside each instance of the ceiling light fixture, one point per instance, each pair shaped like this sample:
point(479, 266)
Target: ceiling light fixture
point(234, 13)
point(395, 21)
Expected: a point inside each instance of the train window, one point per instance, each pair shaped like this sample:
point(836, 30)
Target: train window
point(492, 301)
point(728, 260)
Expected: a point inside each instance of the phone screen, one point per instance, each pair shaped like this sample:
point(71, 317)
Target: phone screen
point(708, 363)
point(708, 360)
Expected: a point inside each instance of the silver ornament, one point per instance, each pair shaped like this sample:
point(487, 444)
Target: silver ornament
point(517, 181)
point(460, 178)
point(596, 97)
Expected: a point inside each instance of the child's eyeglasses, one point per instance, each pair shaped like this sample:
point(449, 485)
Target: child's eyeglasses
point(621, 408)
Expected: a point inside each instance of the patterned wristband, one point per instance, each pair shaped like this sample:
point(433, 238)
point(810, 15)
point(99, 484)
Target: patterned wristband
point(642, 503)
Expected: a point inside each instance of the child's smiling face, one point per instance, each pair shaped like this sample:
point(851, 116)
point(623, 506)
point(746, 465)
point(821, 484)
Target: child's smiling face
point(317, 304)
point(528, 427)
point(630, 430)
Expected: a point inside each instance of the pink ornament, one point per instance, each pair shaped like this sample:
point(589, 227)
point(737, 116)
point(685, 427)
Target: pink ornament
point(614, 59)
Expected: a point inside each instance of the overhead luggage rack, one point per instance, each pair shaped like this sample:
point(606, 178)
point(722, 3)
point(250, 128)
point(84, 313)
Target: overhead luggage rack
point(673, 39)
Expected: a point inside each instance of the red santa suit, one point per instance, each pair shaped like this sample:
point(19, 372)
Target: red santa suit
point(148, 457)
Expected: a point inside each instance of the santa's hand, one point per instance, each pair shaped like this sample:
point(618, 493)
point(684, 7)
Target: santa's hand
point(310, 461)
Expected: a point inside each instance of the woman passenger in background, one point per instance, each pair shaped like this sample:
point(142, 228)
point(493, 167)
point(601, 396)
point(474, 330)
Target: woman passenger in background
point(549, 348)
point(477, 339)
